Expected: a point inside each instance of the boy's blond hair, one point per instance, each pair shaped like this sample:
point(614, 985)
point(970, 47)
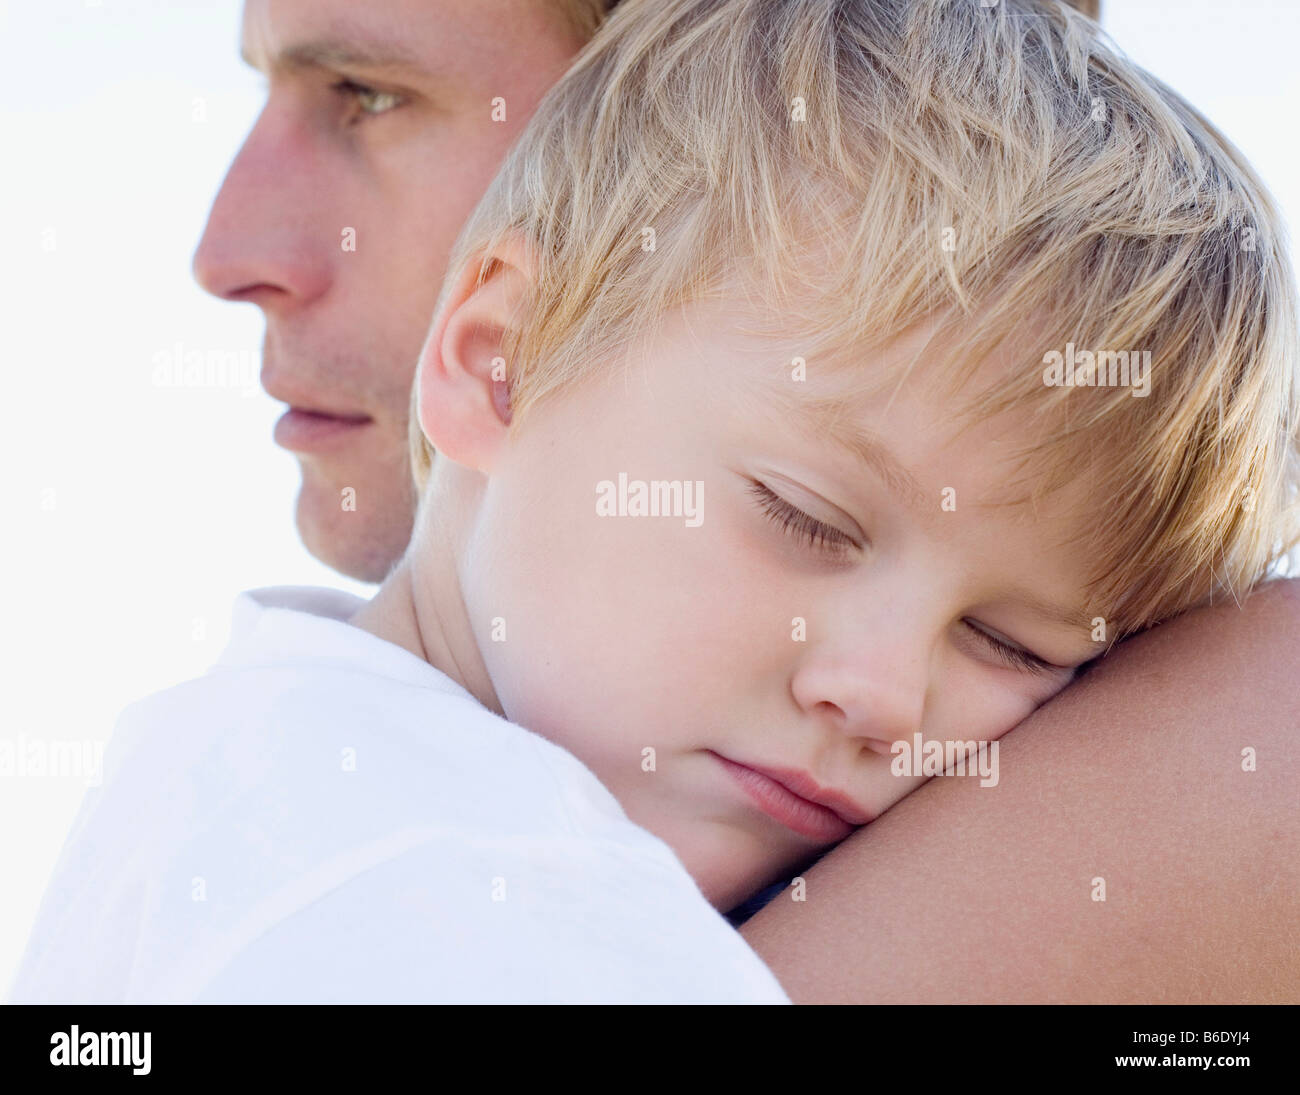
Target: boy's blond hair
point(1000, 171)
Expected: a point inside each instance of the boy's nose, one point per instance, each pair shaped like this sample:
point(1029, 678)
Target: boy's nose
point(874, 691)
point(266, 240)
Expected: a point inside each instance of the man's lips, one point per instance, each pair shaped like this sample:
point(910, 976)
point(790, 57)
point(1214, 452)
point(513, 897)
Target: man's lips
point(303, 430)
point(796, 800)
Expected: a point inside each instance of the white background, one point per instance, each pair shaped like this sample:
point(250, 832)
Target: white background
point(137, 511)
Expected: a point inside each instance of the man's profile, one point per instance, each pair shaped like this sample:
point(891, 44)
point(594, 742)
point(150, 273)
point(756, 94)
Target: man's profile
point(382, 125)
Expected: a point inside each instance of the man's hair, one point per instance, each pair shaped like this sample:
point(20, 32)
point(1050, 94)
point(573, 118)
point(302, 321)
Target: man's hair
point(861, 167)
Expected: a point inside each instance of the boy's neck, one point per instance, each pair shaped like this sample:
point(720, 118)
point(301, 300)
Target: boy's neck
point(416, 612)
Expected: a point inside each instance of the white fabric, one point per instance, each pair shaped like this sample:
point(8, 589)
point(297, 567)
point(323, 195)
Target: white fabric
point(324, 817)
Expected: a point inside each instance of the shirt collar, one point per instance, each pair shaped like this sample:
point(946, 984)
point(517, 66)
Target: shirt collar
point(308, 625)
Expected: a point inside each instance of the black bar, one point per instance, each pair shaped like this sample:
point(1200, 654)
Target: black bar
point(340, 1044)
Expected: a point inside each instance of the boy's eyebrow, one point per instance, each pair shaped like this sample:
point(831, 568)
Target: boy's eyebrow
point(867, 449)
point(1073, 618)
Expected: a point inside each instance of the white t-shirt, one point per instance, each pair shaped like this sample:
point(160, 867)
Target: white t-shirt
point(324, 817)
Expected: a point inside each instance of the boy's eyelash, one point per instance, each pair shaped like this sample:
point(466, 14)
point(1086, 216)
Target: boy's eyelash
point(817, 534)
point(1012, 655)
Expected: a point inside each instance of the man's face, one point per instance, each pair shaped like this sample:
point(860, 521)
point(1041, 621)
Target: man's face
point(337, 216)
point(818, 606)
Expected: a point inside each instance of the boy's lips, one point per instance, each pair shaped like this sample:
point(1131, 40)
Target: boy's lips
point(796, 800)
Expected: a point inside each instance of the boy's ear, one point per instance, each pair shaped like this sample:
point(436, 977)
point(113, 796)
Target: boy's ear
point(462, 389)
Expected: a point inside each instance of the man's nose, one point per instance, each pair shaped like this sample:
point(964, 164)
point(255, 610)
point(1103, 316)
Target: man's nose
point(266, 240)
point(871, 684)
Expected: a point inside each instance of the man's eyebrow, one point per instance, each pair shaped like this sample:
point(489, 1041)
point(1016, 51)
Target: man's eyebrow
point(355, 53)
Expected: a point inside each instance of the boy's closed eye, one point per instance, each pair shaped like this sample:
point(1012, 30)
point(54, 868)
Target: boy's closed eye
point(820, 536)
point(803, 526)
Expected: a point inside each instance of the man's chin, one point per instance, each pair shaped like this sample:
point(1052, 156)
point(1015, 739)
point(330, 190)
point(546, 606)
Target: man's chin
point(360, 541)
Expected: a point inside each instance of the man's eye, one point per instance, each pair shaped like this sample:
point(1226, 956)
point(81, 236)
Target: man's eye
point(368, 99)
point(1014, 656)
point(817, 534)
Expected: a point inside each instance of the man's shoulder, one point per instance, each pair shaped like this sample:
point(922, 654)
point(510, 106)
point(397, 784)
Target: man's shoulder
point(320, 730)
point(352, 736)
point(294, 664)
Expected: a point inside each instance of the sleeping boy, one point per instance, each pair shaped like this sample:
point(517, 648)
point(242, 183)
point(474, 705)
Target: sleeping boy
point(745, 454)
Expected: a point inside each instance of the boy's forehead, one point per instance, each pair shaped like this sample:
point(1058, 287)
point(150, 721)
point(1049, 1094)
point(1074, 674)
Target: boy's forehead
point(884, 411)
point(897, 408)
